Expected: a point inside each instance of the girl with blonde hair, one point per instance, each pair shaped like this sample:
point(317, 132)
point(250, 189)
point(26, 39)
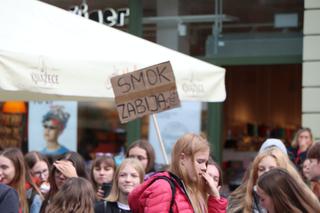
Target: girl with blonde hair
point(265, 161)
point(128, 175)
point(183, 187)
point(300, 145)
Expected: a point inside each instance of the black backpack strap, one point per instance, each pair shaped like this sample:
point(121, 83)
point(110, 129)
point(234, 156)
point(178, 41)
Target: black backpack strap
point(105, 204)
point(172, 186)
point(180, 184)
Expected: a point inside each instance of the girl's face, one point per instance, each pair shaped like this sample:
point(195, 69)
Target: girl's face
point(306, 169)
point(51, 131)
point(103, 173)
point(214, 173)
point(198, 165)
point(304, 139)
point(140, 154)
point(266, 164)
point(265, 200)
point(7, 170)
point(41, 171)
point(128, 179)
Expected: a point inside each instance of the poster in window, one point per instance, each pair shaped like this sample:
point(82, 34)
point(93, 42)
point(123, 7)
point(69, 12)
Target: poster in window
point(173, 124)
point(52, 127)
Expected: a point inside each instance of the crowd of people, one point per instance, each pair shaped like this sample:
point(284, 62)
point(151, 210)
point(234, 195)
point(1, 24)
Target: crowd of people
point(277, 180)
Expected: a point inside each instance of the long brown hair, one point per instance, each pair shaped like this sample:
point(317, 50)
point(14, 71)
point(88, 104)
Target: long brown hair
point(31, 158)
point(189, 144)
point(76, 195)
point(19, 181)
point(79, 164)
point(282, 161)
point(237, 197)
point(287, 194)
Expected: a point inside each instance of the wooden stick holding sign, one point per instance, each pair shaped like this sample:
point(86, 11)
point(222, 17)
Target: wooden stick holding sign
point(146, 91)
point(156, 125)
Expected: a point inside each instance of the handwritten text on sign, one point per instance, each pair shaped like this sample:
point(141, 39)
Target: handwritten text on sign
point(142, 92)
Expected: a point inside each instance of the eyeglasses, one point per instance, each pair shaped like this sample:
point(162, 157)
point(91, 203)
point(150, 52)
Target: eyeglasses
point(104, 154)
point(49, 127)
point(39, 173)
point(139, 157)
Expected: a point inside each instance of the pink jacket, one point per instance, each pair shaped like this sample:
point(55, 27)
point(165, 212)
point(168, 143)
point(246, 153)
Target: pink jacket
point(157, 197)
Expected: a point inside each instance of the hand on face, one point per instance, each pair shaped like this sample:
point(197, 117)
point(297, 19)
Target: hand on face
point(66, 168)
point(304, 141)
point(212, 188)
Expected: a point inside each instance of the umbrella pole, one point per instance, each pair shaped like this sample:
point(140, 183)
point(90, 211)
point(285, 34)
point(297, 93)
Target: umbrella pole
point(155, 121)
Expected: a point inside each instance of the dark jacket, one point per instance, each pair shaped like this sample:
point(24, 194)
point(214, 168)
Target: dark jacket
point(108, 207)
point(9, 200)
point(297, 157)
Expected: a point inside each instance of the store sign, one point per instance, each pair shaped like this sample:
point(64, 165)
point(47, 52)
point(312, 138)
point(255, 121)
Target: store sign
point(108, 16)
point(142, 92)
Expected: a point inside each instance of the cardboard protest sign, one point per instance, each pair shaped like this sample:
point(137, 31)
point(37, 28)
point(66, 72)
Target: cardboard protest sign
point(145, 91)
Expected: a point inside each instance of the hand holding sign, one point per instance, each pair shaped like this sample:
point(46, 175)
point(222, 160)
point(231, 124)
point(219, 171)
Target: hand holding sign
point(142, 92)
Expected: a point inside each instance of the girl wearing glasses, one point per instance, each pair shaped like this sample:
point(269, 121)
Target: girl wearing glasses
point(54, 122)
point(39, 169)
point(68, 166)
point(143, 151)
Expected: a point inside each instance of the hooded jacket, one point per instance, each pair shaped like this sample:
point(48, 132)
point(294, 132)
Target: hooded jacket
point(156, 197)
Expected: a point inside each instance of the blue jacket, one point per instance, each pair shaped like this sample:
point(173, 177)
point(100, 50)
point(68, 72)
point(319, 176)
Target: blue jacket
point(9, 200)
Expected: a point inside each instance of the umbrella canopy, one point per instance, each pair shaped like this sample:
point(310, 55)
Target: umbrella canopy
point(47, 53)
